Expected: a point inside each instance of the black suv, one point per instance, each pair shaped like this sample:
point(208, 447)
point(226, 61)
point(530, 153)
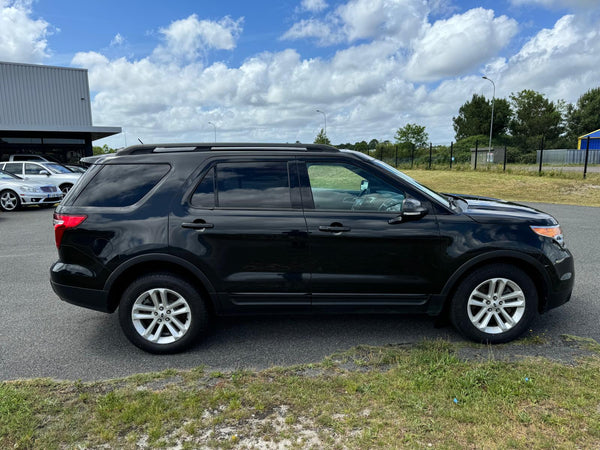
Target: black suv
point(173, 234)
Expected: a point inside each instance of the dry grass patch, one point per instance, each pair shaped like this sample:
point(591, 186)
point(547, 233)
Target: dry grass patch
point(564, 188)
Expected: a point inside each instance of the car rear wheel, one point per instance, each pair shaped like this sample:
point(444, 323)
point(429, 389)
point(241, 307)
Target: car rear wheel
point(494, 304)
point(162, 313)
point(9, 200)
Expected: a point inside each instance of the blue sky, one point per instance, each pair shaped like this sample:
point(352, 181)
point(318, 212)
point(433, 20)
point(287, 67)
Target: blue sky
point(260, 69)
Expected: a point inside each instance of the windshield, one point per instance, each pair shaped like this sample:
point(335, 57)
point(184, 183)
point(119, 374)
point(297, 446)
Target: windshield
point(405, 178)
point(57, 168)
point(8, 176)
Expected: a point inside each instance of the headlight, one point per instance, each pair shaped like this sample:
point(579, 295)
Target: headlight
point(30, 189)
point(553, 232)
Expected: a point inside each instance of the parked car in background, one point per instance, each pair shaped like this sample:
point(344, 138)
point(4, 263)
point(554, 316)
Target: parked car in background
point(16, 192)
point(47, 172)
point(28, 157)
point(76, 169)
point(173, 234)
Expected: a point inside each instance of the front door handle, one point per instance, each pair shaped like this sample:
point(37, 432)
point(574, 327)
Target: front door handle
point(334, 229)
point(197, 224)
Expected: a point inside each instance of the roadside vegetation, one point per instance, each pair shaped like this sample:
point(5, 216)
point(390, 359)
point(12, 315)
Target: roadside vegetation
point(426, 395)
point(515, 185)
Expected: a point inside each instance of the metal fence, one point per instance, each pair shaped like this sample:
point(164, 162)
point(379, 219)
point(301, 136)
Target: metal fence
point(568, 156)
point(568, 160)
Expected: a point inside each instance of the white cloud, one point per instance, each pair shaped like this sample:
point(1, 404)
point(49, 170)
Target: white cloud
point(313, 5)
point(190, 38)
point(457, 45)
point(355, 20)
point(22, 38)
point(313, 28)
point(117, 40)
point(554, 4)
point(561, 61)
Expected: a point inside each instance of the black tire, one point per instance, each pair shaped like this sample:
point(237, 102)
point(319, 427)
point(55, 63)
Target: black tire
point(9, 200)
point(65, 188)
point(167, 290)
point(518, 290)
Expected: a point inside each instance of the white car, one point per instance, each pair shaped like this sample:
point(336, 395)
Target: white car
point(27, 157)
point(16, 192)
point(47, 172)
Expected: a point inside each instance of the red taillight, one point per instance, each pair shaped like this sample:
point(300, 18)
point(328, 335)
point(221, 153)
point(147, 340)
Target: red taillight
point(62, 222)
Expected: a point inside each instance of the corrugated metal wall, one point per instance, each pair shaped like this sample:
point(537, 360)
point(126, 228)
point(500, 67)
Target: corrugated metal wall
point(43, 96)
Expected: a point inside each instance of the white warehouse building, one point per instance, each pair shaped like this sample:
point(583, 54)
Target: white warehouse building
point(46, 110)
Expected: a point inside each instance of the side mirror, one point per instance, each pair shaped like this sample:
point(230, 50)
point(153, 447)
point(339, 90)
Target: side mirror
point(44, 172)
point(412, 209)
point(364, 185)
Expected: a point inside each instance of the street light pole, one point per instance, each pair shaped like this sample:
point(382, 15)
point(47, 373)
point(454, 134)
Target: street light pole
point(324, 117)
point(491, 121)
point(215, 127)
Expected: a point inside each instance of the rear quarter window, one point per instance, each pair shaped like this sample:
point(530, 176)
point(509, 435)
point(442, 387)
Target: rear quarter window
point(120, 185)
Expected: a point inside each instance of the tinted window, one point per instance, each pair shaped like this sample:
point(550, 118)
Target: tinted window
point(253, 185)
point(16, 168)
point(118, 185)
point(349, 188)
point(204, 195)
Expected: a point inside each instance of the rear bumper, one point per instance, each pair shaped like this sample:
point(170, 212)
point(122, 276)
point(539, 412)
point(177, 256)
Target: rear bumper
point(88, 298)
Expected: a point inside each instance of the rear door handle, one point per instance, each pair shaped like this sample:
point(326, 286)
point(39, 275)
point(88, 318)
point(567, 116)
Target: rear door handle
point(197, 225)
point(334, 229)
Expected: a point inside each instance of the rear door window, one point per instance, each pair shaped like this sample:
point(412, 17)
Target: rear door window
point(262, 185)
point(14, 168)
point(120, 185)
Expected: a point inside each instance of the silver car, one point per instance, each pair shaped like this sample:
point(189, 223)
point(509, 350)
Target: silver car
point(46, 172)
point(16, 192)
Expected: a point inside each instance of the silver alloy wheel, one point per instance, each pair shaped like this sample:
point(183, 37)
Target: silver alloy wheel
point(496, 305)
point(66, 188)
point(161, 316)
point(9, 201)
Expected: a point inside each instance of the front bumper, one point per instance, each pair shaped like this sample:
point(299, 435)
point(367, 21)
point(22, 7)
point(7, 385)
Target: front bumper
point(562, 274)
point(40, 198)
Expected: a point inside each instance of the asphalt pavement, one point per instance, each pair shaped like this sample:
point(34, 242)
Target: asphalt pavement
point(42, 336)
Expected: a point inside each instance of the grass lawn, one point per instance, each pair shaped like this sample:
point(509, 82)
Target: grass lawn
point(552, 187)
point(388, 397)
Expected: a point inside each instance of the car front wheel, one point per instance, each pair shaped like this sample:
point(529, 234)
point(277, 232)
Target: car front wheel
point(65, 188)
point(162, 313)
point(494, 304)
point(9, 200)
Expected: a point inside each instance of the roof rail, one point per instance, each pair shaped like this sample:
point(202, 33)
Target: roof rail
point(223, 146)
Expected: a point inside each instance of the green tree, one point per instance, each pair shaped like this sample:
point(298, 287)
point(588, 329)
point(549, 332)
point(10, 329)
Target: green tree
point(373, 144)
point(535, 117)
point(474, 117)
point(322, 138)
point(584, 117)
point(361, 146)
point(412, 134)
point(102, 150)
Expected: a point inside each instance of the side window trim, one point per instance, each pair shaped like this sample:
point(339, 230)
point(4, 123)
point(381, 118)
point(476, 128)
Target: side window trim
point(212, 164)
